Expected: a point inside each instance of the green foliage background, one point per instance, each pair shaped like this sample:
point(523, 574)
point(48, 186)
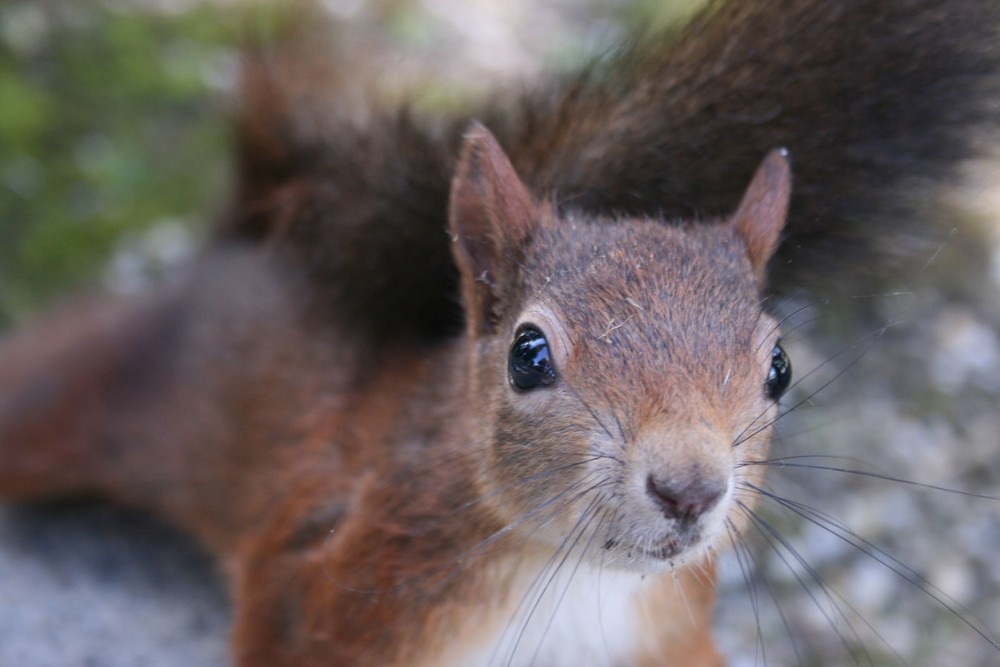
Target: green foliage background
point(113, 120)
point(108, 125)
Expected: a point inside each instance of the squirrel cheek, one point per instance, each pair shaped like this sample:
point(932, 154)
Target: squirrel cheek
point(752, 435)
point(533, 427)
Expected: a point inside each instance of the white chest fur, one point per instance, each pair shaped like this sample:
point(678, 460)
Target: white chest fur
point(583, 615)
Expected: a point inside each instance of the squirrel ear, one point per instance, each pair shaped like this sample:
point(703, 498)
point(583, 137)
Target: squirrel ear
point(761, 215)
point(490, 214)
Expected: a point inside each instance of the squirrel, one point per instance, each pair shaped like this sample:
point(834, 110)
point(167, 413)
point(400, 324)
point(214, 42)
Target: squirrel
point(457, 393)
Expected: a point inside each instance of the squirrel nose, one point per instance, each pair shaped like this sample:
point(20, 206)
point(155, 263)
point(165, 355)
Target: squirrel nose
point(685, 502)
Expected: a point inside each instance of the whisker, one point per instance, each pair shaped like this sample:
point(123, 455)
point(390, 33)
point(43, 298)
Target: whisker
point(536, 594)
point(796, 333)
point(759, 649)
point(476, 549)
point(744, 436)
point(771, 535)
point(784, 463)
point(777, 326)
point(569, 581)
point(900, 569)
point(816, 427)
point(593, 414)
point(525, 480)
point(536, 511)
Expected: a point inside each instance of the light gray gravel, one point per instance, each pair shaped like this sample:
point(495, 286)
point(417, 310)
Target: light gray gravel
point(99, 587)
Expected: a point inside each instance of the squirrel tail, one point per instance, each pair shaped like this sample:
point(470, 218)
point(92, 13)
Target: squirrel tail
point(877, 103)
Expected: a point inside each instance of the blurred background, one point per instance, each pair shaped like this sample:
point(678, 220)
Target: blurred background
point(115, 157)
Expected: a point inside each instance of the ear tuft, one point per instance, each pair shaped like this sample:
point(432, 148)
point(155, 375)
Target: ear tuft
point(490, 215)
point(761, 215)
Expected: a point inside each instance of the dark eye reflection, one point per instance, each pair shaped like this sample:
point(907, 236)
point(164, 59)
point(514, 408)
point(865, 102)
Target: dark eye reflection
point(529, 363)
point(779, 376)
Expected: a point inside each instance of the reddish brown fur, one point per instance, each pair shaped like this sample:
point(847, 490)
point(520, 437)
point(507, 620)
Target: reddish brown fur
point(356, 491)
point(312, 417)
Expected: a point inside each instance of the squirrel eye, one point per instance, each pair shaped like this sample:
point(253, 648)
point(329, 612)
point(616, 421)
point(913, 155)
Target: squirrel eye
point(529, 363)
point(780, 374)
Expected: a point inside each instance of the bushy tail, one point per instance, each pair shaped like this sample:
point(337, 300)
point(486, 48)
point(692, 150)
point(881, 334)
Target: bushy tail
point(877, 102)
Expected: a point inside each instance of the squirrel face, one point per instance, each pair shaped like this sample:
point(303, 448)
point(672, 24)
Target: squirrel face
point(657, 358)
point(617, 401)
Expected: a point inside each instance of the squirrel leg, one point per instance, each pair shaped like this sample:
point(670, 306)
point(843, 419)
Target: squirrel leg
point(301, 599)
point(69, 385)
point(181, 403)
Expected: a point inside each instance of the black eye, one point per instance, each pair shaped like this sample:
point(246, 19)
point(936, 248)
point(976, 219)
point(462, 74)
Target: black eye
point(780, 374)
point(530, 363)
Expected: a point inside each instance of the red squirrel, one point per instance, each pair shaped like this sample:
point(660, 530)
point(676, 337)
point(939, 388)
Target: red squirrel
point(571, 421)
point(517, 442)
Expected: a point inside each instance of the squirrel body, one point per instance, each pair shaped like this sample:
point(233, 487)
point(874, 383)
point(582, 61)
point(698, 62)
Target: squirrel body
point(520, 441)
point(396, 505)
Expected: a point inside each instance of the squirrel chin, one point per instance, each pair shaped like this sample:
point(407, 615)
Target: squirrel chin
point(655, 552)
point(668, 557)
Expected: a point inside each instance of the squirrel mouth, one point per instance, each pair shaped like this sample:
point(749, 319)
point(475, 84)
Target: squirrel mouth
point(672, 546)
point(664, 552)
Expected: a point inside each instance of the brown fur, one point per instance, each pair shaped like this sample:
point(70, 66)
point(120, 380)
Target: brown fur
point(310, 409)
point(370, 500)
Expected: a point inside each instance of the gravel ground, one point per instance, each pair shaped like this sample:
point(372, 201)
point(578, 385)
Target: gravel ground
point(96, 586)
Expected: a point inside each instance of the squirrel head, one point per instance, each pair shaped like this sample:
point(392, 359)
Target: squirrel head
point(620, 369)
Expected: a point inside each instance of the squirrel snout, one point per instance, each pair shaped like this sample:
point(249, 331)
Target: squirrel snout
point(685, 502)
